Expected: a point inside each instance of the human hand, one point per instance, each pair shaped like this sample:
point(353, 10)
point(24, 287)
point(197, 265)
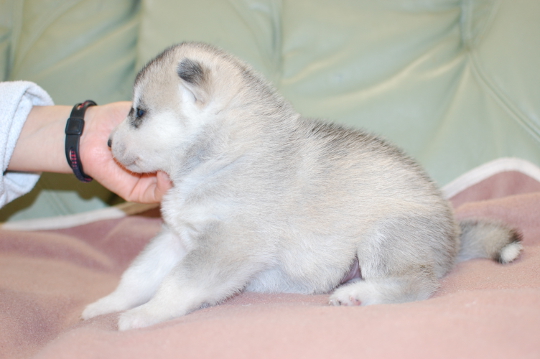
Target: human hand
point(99, 163)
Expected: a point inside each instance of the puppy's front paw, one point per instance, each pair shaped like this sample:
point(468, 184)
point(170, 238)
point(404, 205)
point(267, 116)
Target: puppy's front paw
point(114, 302)
point(100, 307)
point(141, 317)
point(135, 318)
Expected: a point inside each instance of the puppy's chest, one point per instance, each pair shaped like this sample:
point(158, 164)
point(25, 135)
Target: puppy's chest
point(190, 212)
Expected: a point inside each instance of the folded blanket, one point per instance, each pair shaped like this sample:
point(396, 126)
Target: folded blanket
point(483, 309)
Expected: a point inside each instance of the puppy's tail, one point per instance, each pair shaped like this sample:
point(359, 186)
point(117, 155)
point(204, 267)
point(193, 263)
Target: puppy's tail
point(488, 239)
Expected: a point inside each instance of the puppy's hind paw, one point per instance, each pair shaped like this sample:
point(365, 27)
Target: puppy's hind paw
point(354, 294)
point(344, 300)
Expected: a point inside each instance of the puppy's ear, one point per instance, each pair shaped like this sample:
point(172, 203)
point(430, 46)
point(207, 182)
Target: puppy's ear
point(195, 79)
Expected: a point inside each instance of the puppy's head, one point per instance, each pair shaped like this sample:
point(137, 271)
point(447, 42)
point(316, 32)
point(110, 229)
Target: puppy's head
point(175, 96)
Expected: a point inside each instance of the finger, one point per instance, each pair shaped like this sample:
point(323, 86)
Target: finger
point(163, 181)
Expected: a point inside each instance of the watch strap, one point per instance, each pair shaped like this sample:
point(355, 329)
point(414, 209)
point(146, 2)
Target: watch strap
point(74, 130)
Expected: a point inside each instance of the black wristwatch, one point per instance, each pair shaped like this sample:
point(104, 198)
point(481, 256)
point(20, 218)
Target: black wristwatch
point(74, 129)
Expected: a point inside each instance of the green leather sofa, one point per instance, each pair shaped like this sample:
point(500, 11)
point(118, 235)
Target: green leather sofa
point(456, 83)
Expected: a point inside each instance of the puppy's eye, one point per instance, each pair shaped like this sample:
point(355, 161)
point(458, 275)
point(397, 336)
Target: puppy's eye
point(136, 115)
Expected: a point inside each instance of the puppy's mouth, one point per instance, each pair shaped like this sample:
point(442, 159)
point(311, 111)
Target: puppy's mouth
point(131, 163)
point(131, 158)
point(132, 166)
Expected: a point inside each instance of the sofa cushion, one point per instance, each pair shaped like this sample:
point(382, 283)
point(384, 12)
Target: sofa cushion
point(419, 73)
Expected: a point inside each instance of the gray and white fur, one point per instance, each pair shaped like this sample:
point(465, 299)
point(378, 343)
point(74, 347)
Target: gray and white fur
point(266, 200)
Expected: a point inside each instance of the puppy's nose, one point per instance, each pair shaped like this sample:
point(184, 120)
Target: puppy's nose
point(109, 143)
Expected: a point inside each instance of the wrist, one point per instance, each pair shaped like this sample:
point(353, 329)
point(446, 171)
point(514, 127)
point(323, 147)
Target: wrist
point(86, 149)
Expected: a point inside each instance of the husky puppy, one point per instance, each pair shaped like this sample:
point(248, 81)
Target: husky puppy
point(266, 200)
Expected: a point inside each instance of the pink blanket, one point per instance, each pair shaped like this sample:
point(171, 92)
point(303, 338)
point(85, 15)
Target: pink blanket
point(483, 309)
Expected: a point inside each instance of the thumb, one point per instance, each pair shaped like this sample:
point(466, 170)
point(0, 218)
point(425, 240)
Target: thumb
point(163, 185)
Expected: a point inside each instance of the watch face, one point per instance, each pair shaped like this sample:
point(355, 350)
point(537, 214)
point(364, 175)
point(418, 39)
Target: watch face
point(74, 126)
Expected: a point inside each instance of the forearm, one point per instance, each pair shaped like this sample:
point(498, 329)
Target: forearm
point(40, 147)
point(41, 144)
